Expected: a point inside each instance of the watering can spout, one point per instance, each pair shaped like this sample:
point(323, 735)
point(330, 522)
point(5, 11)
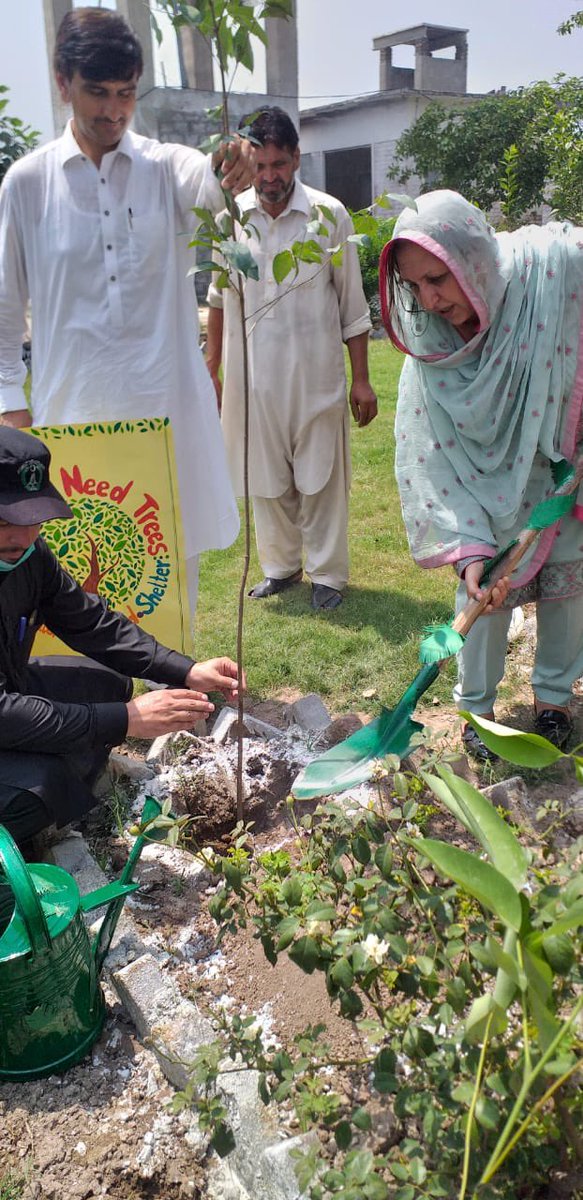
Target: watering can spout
point(114, 894)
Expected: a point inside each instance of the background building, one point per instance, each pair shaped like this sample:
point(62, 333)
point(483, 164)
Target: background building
point(348, 147)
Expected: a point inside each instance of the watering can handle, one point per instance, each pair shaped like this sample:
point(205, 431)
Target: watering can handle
point(25, 893)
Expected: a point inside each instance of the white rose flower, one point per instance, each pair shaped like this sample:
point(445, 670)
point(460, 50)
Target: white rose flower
point(313, 927)
point(374, 948)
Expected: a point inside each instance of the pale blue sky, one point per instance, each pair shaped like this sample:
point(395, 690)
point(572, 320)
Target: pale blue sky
point(511, 42)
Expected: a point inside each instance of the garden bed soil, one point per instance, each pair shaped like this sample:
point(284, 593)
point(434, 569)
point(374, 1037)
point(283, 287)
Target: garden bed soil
point(103, 1129)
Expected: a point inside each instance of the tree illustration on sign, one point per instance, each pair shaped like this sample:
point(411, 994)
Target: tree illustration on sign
point(102, 548)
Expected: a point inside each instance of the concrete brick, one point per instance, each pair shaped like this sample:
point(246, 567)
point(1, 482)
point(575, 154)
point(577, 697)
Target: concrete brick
point(225, 726)
point(157, 751)
point(175, 1029)
point(573, 810)
point(262, 729)
point(128, 767)
point(161, 750)
point(74, 856)
point(310, 713)
point(513, 796)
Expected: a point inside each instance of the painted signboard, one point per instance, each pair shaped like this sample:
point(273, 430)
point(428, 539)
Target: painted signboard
point(124, 540)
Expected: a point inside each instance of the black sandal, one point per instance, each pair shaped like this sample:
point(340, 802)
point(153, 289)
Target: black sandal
point(476, 747)
point(555, 726)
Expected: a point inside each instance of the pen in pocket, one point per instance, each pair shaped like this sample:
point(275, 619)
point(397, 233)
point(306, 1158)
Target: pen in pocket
point(130, 218)
point(22, 626)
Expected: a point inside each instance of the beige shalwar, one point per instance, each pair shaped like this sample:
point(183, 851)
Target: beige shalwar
point(299, 465)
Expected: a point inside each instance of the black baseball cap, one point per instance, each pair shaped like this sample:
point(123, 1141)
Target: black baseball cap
point(27, 496)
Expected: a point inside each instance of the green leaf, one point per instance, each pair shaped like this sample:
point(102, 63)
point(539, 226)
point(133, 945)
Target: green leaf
point(505, 963)
point(287, 929)
point(222, 1140)
point(341, 974)
point(358, 1166)
point(269, 948)
point(546, 1022)
point(343, 1135)
point(306, 954)
point(399, 1171)
point(243, 52)
point(292, 891)
point(360, 960)
point(310, 251)
point(375, 1188)
point(578, 768)
point(477, 1020)
point(384, 1067)
point(522, 749)
point(405, 1193)
point(559, 952)
point(241, 258)
point(384, 861)
point(360, 239)
point(350, 1004)
point(478, 878)
point(318, 911)
point(361, 1119)
point(206, 265)
point(361, 849)
point(327, 213)
point(283, 263)
point(480, 818)
point(572, 918)
point(396, 198)
point(418, 1170)
point(487, 1113)
point(539, 974)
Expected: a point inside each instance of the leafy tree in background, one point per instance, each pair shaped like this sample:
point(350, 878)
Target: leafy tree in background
point(573, 22)
point(467, 149)
point(16, 138)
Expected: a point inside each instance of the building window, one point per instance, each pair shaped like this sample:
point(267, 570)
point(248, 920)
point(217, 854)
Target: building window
point(348, 176)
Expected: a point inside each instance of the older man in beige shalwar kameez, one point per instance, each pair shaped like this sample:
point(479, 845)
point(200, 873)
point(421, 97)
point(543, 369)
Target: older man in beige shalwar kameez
point(299, 462)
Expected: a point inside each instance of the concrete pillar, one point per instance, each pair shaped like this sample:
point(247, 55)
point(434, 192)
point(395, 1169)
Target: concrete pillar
point(282, 58)
point(54, 11)
point(137, 14)
point(196, 60)
point(385, 69)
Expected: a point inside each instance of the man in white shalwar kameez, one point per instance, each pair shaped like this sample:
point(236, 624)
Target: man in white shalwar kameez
point(299, 462)
point(94, 228)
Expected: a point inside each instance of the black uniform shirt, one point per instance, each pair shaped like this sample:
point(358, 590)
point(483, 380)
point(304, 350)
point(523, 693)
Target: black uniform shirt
point(43, 594)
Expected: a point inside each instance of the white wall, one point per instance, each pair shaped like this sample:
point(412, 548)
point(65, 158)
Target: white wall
point(378, 124)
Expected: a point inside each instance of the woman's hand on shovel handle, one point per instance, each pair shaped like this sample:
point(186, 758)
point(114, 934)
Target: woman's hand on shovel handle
point(473, 574)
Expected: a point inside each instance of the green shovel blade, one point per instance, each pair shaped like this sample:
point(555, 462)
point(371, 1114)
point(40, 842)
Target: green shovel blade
point(352, 762)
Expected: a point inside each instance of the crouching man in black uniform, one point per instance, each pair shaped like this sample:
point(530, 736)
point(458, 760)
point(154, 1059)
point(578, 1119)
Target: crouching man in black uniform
point(60, 716)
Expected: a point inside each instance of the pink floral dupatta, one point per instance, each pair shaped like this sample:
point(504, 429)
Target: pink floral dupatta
point(479, 423)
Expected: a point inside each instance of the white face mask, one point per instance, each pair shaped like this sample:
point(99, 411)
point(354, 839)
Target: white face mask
point(4, 566)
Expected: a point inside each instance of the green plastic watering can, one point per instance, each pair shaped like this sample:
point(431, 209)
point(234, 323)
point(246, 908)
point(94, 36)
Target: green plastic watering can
point(51, 1003)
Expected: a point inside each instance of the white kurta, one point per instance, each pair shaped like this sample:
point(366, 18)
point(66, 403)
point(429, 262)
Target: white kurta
point(295, 346)
point(103, 254)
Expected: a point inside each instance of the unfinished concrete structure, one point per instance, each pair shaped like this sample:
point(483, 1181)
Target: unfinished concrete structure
point(429, 74)
point(348, 147)
point(178, 114)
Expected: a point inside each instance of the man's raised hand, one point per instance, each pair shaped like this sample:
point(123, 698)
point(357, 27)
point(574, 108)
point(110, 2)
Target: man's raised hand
point(166, 711)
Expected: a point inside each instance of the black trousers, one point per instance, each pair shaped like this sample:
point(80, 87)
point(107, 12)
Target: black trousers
point(37, 789)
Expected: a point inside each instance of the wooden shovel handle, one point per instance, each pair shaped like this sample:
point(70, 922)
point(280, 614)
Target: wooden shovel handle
point(474, 608)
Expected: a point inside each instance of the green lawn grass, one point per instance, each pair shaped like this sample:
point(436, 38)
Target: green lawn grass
point(372, 640)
